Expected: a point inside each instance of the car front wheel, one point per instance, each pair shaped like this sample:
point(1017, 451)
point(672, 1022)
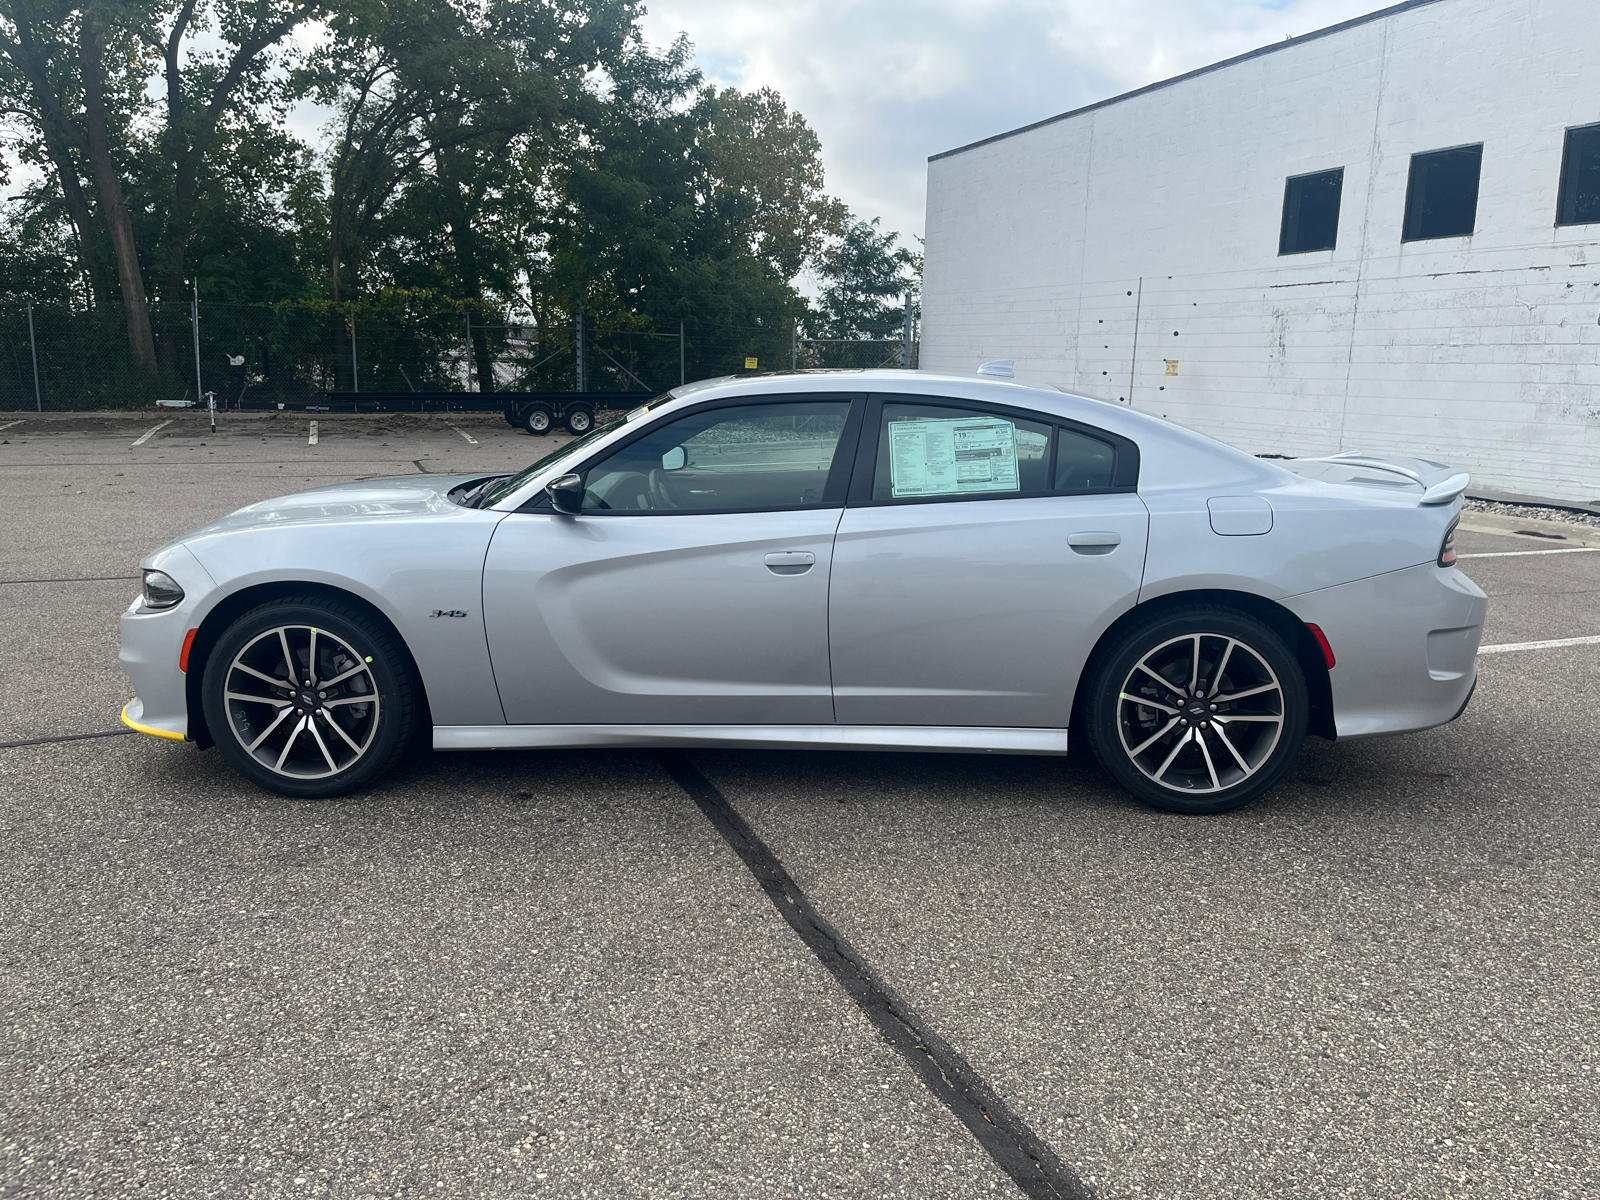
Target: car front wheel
point(309, 697)
point(1198, 710)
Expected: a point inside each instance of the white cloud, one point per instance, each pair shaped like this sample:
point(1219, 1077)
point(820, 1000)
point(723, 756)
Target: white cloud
point(886, 83)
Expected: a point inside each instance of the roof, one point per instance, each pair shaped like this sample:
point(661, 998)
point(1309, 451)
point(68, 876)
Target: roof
point(1286, 44)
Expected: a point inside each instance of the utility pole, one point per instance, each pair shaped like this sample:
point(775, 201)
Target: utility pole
point(681, 376)
point(582, 382)
point(469, 350)
point(794, 345)
point(33, 348)
point(194, 322)
point(905, 352)
point(355, 371)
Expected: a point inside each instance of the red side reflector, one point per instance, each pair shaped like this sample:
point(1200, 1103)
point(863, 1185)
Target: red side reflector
point(188, 643)
point(1322, 641)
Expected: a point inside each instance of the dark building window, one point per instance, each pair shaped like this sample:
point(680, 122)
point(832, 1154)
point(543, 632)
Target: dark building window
point(1311, 212)
point(1580, 178)
point(1442, 197)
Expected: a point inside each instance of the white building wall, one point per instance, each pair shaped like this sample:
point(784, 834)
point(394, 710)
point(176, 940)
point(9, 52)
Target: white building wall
point(1155, 220)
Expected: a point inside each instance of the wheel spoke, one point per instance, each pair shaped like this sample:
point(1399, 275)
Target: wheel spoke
point(1222, 736)
point(1255, 691)
point(248, 699)
point(1146, 744)
point(289, 663)
point(1177, 746)
point(277, 683)
point(1232, 717)
point(1211, 767)
point(333, 767)
point(1216, 676)
point(294, 734)
point(1170, 687)
point(1194, 667)
point(1150, 704)
point(337, 728)
point(338, 679)
point(311, 659)
point(278, 720)
point(367, 699)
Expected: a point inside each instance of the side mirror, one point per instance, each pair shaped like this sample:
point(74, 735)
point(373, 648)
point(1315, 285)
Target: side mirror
point(566, 494)
point(674, 459)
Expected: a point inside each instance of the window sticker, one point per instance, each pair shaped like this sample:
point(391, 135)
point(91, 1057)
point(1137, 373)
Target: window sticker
point(950, 457)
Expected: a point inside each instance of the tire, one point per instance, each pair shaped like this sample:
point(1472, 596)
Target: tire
point(512, 418)
point(537, 419)
point(349, 741)
point(1185, 750)
point(579, 419)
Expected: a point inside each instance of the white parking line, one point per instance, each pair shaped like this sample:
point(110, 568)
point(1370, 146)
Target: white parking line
point(311, 441)
point(1508, 647)
point(1521, 553)
point(464, 434)
point(149, 433)
point(9, 424)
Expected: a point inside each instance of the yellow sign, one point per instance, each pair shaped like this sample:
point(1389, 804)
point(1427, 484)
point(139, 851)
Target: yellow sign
point(1172, 365)
point(749, 364)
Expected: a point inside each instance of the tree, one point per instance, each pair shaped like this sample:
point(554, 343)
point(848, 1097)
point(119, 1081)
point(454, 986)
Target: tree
point(862, 271)
point(80, 73)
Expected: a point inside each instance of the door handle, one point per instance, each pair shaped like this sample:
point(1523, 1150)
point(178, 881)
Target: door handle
point(1097, 542)
point(790, 562)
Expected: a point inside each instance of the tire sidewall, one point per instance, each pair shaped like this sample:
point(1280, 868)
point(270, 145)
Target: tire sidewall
point(536, 416)
point(579, 420)
point(1113, 668)
point(389, 673)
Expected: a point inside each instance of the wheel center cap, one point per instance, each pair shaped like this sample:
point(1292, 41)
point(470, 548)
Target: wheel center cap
point(307, 701)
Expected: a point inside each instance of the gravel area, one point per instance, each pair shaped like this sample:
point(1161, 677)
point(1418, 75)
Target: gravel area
point(1534, 512)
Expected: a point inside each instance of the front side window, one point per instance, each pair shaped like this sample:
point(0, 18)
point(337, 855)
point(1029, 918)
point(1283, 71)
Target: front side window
point(748, 458)
point(1311, 212)
point(934, 452)
point(1580, 178)
point(1442, 194)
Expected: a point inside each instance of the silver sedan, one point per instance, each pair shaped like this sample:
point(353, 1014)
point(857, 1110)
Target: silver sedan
point(869, 560)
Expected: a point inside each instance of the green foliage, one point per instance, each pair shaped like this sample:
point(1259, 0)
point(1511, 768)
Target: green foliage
point(483, 157)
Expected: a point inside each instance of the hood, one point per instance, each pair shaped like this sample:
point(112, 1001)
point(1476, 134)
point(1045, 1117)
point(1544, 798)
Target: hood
point(368, 499)
point(1427, 481)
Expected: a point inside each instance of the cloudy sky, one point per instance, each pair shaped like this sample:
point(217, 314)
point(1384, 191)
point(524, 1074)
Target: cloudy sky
point(888, 82)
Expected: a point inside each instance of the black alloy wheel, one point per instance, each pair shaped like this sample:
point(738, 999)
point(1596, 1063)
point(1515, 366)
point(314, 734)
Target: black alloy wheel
point(309, 697)
point(1197, 710)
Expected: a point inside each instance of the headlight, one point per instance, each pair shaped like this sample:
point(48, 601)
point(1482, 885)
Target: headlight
point(1447, 550)
point(161, 590)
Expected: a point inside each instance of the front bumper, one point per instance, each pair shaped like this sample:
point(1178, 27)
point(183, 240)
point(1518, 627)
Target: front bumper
point(152, 641)
point(1406, 644)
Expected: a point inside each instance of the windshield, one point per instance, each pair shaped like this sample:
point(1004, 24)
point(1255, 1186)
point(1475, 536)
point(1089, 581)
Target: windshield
point(504, 487)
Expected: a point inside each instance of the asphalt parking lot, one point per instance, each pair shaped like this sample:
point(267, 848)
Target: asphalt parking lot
point(550, 974)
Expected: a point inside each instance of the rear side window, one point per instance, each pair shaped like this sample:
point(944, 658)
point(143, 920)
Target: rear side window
point(938, 452)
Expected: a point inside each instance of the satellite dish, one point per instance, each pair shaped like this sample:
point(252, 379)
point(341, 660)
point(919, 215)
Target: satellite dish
point(1000, 368)
point(236, 360)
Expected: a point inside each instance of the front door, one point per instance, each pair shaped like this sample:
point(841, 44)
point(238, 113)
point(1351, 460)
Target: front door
point(693, 587)
point(981, 556)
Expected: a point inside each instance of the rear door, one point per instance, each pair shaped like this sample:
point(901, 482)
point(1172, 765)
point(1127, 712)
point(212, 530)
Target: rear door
point(983, 551)
point(692, 588)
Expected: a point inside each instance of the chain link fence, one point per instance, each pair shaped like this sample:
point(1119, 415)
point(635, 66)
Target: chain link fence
point(295, 354)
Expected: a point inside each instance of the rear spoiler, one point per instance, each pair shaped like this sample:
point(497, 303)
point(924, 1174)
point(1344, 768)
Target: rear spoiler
point(1438, 483)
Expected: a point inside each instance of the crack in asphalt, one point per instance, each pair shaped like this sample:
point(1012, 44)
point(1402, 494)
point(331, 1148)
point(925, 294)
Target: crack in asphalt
point(69, 737)
point(1015, 1148)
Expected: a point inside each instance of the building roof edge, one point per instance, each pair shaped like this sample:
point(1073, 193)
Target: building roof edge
point(1392, 10)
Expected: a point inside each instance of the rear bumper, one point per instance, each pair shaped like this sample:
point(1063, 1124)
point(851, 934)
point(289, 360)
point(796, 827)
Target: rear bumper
point(1406, 643)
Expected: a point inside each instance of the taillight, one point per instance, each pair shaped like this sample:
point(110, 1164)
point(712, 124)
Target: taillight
point(1447, 551)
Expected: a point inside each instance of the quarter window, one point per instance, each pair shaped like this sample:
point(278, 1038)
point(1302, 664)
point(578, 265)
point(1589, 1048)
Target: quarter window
point(1311, 212)
point(743, 459)
point(1580, 178)
point(1442, 194)
point(939, 452)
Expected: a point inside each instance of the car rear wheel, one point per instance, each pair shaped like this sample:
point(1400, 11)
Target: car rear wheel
point(537, 420)
point(1198, 710)
point(309, 697)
